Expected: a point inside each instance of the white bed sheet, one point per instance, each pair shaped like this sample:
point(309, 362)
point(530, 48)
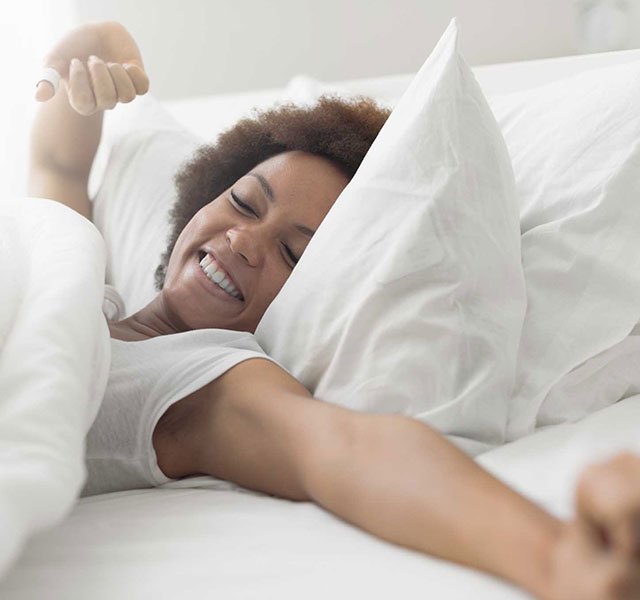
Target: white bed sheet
point(224, 542)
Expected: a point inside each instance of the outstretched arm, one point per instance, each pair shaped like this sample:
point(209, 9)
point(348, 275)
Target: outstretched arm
point(388, 474)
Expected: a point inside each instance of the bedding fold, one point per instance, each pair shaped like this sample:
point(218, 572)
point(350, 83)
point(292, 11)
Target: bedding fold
point(54, 362)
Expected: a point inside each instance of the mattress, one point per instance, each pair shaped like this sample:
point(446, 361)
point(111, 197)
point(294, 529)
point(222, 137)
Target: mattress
point(204, 537)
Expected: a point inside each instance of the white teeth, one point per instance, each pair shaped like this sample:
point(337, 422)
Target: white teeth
point(213, 272)
point(217, 275)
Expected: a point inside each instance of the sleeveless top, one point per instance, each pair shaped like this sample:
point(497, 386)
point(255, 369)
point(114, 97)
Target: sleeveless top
point(146, 377)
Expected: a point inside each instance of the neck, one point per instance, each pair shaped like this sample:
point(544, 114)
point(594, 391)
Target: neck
point(151, 321)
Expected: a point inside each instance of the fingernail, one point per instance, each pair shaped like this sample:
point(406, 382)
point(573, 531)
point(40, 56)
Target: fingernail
point(93, 58)
point(75, 62)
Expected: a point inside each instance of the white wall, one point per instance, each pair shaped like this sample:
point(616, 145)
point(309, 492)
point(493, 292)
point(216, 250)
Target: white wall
point(198, 47)
point(27, 31)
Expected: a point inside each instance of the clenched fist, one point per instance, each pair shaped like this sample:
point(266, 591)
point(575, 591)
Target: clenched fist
point(99, 64)
point(597, 556)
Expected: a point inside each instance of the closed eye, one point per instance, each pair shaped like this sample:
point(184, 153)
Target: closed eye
point(247, 208)
point(241, 204)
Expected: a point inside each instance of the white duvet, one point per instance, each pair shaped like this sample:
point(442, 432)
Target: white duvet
point(54, 362)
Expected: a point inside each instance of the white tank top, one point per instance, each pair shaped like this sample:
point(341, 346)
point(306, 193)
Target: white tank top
point(145, 379)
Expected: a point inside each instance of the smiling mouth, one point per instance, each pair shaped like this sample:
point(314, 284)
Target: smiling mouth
point(233, 293)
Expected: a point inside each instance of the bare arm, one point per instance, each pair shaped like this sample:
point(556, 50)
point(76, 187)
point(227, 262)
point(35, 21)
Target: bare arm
point(402, 481)
point(63, 146)
point(390, 475)
point(67, 127)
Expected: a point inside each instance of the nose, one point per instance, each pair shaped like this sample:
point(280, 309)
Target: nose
point(242, 243)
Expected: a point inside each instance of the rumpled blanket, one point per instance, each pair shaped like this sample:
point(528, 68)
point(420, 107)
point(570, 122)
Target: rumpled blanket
point(54, 362)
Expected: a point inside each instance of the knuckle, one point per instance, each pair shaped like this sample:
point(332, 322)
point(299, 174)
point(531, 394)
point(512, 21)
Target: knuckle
point(628, 458)
point(110, 101)
point(106, 98)
point(622, 460)
point(83, 102)
point(588, 480)
point(105, 106)
point(84, 111)
point(617, 582)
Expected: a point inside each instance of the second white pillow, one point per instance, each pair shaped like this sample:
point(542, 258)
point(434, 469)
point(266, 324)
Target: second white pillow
point(410, 297)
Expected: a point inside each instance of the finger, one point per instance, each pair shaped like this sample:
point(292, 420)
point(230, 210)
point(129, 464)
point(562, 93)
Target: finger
point(44, 91)
point(125, 90)
point(104, 89)
point(608, 497)
point(138, 77)
point(625, 535)
point(80, 92)
point(618, 579)
point(54, 67)
point(48, 84)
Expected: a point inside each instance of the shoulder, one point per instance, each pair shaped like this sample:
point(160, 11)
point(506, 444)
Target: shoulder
point(256, 375)
point(256, 426)
point(244, 383)
point(113, 306)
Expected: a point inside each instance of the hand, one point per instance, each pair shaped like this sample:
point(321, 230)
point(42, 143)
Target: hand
point(597, 556)
point(100, 65)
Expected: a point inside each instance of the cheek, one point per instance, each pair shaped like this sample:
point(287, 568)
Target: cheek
point(195, 229)
point(275, 283)
point(176, 252)
point(180, 255)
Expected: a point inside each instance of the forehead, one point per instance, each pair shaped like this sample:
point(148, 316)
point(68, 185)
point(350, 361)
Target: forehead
point(296, 176)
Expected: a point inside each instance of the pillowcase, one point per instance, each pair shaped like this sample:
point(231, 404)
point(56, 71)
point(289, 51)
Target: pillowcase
point(410, 296)
point(575, 151)
point(132, 190)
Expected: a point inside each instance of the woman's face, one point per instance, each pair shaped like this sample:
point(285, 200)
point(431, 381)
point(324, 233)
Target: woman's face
point(287, 196)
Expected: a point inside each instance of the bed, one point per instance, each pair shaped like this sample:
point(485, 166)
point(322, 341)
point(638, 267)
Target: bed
point(204, 537)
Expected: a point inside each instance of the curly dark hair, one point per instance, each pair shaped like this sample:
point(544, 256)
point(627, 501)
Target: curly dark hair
point(339, 129)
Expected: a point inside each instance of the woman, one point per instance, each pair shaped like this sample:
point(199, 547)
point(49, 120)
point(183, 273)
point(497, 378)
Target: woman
point(257, 426)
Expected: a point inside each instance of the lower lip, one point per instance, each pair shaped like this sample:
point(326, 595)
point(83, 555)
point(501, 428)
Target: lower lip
point(212, 287)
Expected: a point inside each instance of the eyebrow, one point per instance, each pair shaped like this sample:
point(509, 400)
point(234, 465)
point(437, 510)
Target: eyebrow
point(268, 192)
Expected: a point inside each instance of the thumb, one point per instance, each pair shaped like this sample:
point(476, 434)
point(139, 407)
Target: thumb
point(44, 91)
point(53, 70)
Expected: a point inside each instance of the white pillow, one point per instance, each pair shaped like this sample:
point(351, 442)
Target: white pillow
point(410, 297)
point(575, 154)
point(132, 190)
point(575, 148)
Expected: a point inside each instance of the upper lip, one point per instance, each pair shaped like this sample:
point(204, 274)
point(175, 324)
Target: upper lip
point(226, 269)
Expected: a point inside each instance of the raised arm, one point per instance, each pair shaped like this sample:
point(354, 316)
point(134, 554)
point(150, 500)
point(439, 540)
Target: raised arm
point(388, 474)
point(67, 127)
